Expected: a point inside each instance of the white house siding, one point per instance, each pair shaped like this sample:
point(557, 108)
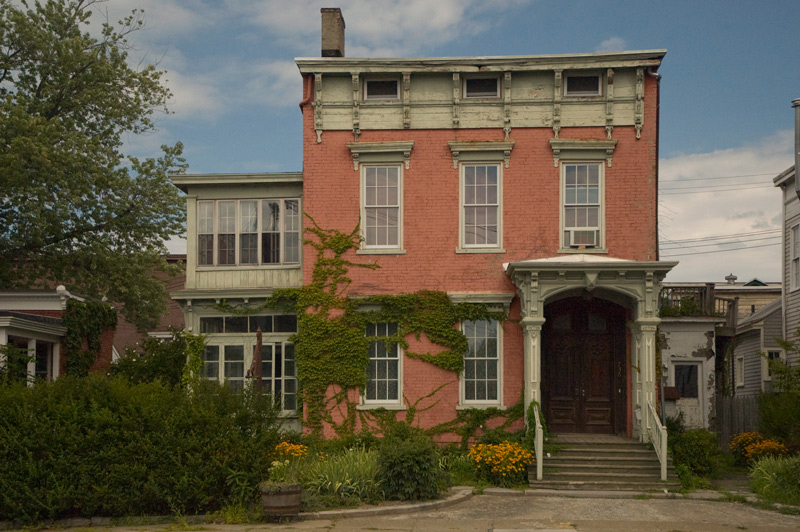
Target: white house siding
point(791, 293)
point(690, 341)
point(748, 345)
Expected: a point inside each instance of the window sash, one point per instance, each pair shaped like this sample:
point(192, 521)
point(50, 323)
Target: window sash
point(481, 375)
point(481, 205)
point(382, 210)
point(382, 89)
point(383, 374)
point(248, 232)
point(795, 265)
point(582, 207)
point(486, 87)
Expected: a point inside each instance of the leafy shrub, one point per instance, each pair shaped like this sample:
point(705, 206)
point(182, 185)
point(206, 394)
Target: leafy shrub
point(160, 360)
point(739, 444)
point(99, 446)
point(780, 417)
point(697, 449)
point(504, 464)
point(408, 465)
point(500, 435)
point(690, 481)
point(777, 478)
point(353, 473)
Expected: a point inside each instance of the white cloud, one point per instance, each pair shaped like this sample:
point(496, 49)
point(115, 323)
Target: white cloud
point(275, 83)
point(195, 95)
point(376, 28)
point(614, 44)
point(714, 210)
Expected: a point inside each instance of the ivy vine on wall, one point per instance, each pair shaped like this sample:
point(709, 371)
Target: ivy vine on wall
point(85, 322)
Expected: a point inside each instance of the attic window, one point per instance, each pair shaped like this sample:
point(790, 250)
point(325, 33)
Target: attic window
point(482, 87)
point(381, 89)
point(583, 86)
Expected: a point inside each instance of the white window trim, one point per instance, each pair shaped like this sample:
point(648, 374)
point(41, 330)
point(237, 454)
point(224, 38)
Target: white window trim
point(381, 98)
point(398, 404)
point(794, 259)
point(464, 403)
point(248, 342)
point(495, 96)
point(238, 231)
point(765, 375)
point(479, 248)
point(739, 371)
point(382, 249)
point(601, 245)
point(583, 94)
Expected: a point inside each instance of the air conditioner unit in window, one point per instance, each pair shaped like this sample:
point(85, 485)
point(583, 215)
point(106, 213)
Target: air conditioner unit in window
point(583, 238)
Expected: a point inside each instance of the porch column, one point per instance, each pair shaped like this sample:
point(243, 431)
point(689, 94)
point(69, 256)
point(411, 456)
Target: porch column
point(31, 369)
point(3, 341)
point(56, 360)
point(532, 338)
point(643, 372)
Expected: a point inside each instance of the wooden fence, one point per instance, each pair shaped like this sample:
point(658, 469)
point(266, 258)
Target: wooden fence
point(735, 415)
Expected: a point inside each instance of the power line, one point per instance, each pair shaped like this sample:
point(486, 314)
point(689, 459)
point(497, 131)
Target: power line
point(692, 246)
point(722, 237)
point(667, 193)
point(718, 177)
point(721, 250)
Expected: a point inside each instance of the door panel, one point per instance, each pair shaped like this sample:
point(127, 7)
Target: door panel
point(579, 365)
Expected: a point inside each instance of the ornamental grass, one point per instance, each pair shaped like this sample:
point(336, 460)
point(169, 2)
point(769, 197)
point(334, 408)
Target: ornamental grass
point(502, 464)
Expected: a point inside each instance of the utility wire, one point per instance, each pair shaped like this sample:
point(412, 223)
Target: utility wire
point(721, 250)
point(722, 237)
point(693, 246)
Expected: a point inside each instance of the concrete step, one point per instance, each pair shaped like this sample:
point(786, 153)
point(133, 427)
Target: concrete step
point(606, 485)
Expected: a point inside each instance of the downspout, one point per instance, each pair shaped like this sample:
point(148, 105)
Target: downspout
point(309, 86)
point(796, 105)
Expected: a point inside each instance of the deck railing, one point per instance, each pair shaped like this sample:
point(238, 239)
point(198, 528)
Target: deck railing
point(538, 443)
point(658, 437)
point(698, 301)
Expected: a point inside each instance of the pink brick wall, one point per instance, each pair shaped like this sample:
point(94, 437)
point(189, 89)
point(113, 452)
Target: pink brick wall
point(530, 203)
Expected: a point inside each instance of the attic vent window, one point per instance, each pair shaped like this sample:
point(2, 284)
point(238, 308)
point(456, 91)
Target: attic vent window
point(482, 87)
point(583, 86)
point(381, 89)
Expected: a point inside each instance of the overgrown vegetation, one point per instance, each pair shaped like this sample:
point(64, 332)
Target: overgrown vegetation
point(102, 446)
point(695, 453)
point(777, 479)
point(171, 361)
point(85, 321)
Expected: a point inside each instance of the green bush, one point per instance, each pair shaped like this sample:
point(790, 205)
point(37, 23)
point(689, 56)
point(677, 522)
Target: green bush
point(353, 473)
point(160, 360)
point(99, 446)
point(780, 418)
point(777, 479)
point(697, 449)
point(408, 464)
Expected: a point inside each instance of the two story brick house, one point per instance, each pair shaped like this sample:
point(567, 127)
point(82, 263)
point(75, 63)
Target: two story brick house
point(525, 183)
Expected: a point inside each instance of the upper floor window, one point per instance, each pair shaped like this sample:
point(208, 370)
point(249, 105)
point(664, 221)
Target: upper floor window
point(248, 232)
point(583, 86)
point(484, 87)
point(382, 207)
point(381, 89)
point(480, 214)
point(480, 381)
point(583, 208)
point(795, 265)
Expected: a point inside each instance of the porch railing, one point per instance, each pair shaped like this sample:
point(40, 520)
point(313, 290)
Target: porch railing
point(538, 443)
point(658, 437)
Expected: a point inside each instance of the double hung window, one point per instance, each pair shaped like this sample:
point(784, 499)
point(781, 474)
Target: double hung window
point(481, 376)
point(382, 207)
point(383, 377)
point(480, 216)
point(248, 232)
point(582, 215)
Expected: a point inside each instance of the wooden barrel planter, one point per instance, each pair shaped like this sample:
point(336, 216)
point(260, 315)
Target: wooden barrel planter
point(281, 500)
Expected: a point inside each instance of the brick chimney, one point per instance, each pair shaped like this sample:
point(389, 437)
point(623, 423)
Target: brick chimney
point(332, 32)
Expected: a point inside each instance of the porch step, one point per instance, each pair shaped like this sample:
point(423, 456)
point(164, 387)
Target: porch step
point(589, 462)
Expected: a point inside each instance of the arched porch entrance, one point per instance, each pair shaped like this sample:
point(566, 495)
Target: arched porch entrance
point(584, 371)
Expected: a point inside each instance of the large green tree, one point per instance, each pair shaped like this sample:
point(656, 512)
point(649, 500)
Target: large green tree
point(75, 208)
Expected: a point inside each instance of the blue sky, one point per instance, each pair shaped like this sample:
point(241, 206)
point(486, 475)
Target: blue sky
point(731, 71)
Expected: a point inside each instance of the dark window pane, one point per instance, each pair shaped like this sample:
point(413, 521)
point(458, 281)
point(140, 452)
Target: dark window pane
point(270, 248)
point(236, 324)
point(211, 325)
point(482, 87)
point(286, 323)
point(686, 380)
point(265, 322)
point(583, 85)
point(382, 88)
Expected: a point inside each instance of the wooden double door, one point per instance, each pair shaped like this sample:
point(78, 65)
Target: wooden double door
point(583, 366)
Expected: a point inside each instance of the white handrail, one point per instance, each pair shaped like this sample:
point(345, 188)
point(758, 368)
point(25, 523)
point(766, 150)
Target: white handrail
point(538, 443)
point(658, 437)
